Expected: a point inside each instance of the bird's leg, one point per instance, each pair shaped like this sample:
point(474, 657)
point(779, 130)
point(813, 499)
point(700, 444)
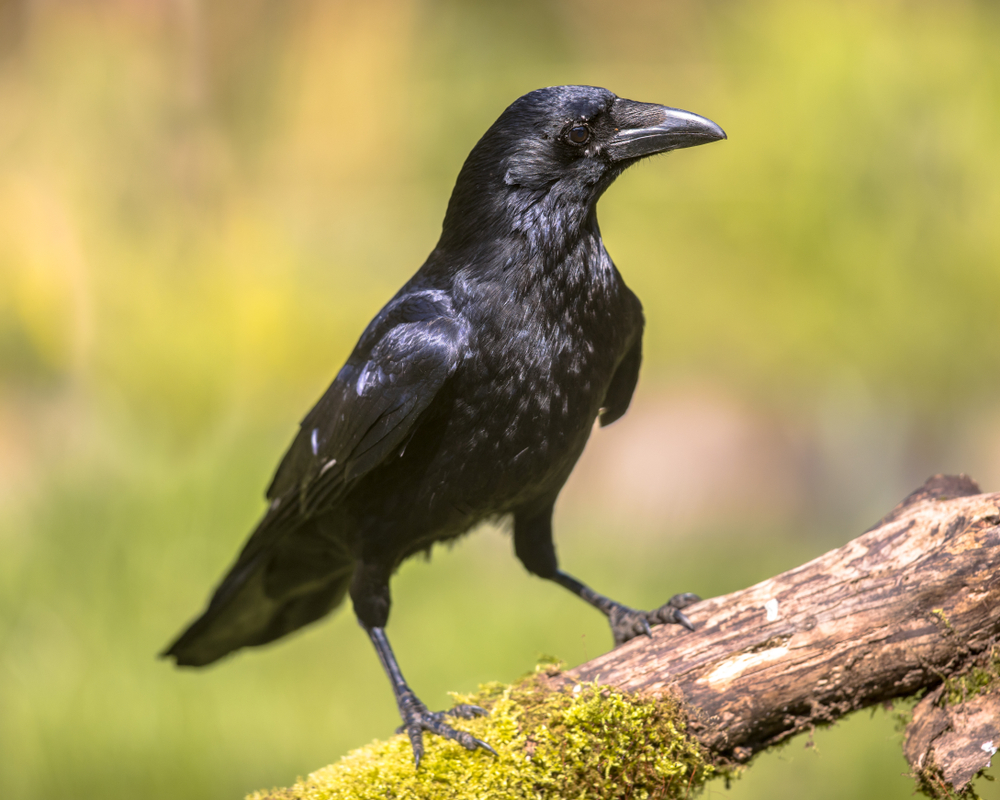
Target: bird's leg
point(627, 623)
point(370, 594)
point(534, 546)
point(416, 717)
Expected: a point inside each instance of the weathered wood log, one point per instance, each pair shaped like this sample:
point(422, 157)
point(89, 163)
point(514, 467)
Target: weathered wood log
point(900, 609)
point(912, 606)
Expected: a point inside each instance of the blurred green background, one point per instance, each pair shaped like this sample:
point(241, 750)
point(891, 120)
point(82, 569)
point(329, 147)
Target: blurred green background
point(202, 204)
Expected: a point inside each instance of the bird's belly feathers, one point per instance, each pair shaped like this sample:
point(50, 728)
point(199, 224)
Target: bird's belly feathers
point(531, 419)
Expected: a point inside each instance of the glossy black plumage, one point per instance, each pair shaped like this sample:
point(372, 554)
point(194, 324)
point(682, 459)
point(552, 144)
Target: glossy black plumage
point(469, 396)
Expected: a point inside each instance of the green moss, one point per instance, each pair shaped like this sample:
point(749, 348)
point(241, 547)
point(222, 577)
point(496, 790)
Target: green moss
point(977, 680)
point(957, 690)
point(941, 617)
point(931, 783)
point(901, 710)
point(576, 743)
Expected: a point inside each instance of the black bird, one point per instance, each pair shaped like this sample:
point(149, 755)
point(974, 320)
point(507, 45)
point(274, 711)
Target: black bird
point(470, 396)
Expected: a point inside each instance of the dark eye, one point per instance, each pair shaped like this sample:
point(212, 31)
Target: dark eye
point(579, 134)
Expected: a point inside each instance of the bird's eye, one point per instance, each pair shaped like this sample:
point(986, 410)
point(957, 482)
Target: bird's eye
point(579, 134)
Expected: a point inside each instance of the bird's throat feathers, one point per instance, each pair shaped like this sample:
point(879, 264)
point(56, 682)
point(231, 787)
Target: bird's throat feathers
point(542, 257)
point(526, 232)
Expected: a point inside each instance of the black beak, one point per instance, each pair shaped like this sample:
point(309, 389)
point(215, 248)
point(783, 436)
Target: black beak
point(645, 129)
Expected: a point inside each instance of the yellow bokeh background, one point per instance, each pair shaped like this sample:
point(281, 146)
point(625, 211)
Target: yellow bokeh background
point(201, 206)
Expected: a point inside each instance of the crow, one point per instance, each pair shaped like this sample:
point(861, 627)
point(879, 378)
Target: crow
point(468, 397)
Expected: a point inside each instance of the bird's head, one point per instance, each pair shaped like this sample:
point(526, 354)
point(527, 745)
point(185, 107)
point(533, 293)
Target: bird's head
point(553, 152)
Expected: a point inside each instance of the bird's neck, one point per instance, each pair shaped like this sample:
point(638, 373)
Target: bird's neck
point(547, 261)
point(542, 228)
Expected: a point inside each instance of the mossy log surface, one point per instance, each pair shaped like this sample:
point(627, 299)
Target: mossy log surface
point(911, 607)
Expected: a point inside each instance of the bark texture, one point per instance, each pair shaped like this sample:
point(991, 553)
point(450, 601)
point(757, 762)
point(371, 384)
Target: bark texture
point(913, 604)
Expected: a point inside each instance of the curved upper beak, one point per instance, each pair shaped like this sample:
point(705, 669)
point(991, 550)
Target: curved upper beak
point(645, 129)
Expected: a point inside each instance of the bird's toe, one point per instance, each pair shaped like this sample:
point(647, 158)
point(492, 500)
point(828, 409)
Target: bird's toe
point(627, 623)
point(670, 613)
point(466, 711)
point(683, 600)
point(416, 734)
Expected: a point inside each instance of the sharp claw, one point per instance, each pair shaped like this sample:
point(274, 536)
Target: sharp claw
point(645, 627)
point(485, 746)
point(682, 619)
point(416, 761)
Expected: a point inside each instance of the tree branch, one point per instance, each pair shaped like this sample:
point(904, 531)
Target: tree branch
point(911, 606)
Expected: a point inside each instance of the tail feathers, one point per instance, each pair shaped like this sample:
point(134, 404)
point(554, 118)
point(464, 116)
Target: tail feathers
point(269, 592)
point(251, 618)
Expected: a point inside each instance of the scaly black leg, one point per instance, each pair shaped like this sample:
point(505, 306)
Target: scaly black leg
point(533, 545)
point(370, 595)
point(416, 717)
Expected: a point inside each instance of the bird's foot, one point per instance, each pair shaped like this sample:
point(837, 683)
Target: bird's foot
point(417, 719)
point(627, 623)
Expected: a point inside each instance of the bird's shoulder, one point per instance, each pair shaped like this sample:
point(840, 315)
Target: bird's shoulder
point(414, 314)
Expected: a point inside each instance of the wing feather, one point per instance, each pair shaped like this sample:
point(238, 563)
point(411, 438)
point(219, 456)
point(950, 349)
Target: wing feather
point(367, 413)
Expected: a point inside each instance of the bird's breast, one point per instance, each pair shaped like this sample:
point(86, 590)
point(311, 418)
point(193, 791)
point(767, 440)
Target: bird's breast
point(533, 383)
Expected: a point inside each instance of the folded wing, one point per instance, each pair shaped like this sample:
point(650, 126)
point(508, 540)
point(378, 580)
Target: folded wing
point(297, 564)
